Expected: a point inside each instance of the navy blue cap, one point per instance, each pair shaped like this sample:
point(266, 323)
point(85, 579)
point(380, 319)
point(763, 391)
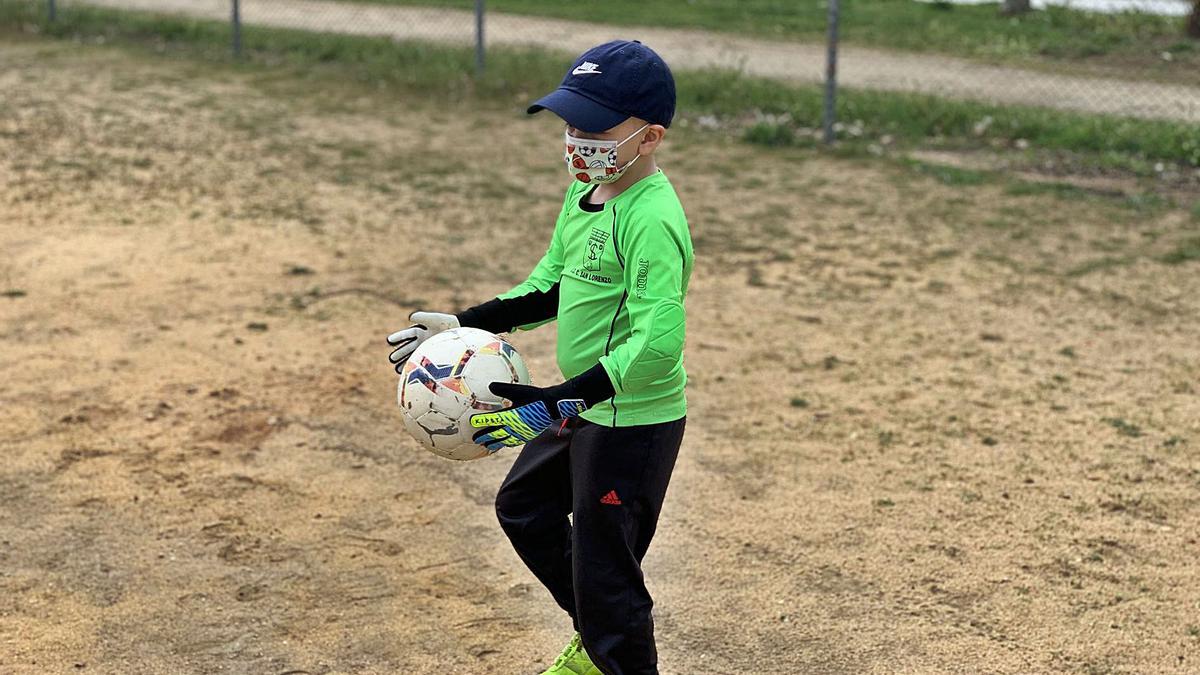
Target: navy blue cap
point(611, 83)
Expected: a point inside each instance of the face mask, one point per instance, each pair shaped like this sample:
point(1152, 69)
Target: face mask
point(592, 161)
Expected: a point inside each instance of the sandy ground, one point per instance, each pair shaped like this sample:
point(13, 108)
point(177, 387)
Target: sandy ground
point(933, 428)
point(691, 49)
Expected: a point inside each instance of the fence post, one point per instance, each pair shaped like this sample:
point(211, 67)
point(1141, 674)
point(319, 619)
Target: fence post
point(51, 10)
point(829, 116)
point(479, 37)
point(237, 29)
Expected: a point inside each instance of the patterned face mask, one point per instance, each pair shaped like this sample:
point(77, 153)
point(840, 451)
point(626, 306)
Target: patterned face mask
point(592, 161)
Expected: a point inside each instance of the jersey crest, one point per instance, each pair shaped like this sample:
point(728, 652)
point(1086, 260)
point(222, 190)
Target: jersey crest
point(594, 249)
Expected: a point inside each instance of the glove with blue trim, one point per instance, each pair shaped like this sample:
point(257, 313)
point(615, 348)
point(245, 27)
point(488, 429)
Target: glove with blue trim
point(535, 409)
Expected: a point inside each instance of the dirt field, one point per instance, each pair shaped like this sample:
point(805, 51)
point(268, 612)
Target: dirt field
point(933, 427)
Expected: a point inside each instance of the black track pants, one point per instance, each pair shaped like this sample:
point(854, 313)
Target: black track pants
point(613, 480)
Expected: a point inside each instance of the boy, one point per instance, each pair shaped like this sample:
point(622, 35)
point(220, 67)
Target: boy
point(602, 444)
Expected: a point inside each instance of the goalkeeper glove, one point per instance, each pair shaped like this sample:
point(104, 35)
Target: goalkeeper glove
point(425, 325)
point(534, 409)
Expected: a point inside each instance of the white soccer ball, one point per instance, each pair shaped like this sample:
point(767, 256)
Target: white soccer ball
point(446, 381)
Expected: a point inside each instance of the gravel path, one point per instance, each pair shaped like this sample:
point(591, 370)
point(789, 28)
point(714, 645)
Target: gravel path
point(690, 49)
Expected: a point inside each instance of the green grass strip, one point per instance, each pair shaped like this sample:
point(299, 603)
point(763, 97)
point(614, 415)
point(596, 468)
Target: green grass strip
point(515, 75)
point(979, 31)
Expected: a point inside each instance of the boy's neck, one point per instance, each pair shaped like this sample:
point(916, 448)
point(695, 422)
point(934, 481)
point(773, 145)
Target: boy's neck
point(640, 169)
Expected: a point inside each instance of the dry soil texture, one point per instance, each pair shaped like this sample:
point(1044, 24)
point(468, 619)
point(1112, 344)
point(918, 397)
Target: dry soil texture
point(934, 427)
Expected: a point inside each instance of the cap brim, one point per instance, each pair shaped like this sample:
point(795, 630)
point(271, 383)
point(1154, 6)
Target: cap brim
point(579, 111)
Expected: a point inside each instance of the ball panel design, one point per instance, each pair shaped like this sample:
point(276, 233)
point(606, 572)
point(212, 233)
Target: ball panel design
point(445, 381)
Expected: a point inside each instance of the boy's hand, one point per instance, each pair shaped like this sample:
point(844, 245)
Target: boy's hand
point(425, 325)
point(533, 410)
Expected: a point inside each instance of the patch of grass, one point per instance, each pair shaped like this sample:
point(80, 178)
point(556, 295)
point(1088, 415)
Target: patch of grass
point(798, 402)
point(1105, 263)
point(950, 175)
point(13, 293)
point(411, 65)
point(1146, 202)
point(969, 30)
point(911, 118)
point(515, 75)
point(1124, 427)
point(1000, 259)
point(1020, 188)
point(1187, 251)
point(1109, 244)
point(764, 133)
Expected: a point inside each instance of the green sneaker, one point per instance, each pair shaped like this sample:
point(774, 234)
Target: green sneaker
point(573, 661)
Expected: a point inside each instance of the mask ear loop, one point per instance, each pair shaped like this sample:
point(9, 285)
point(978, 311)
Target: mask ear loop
point(629, 164)
point(635, 157)
point(644, 127)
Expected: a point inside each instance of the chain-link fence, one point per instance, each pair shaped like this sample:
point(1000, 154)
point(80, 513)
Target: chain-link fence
point(1156, 78)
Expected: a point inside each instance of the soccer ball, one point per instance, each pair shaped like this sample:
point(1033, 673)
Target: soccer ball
point(446, 381)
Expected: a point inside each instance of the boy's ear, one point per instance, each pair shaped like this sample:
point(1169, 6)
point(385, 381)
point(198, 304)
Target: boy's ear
point(652, 137)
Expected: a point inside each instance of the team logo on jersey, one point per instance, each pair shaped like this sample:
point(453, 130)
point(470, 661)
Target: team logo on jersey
point(594, 249)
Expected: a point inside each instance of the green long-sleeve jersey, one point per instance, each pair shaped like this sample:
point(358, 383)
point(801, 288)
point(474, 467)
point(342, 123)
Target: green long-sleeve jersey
point(622, 270)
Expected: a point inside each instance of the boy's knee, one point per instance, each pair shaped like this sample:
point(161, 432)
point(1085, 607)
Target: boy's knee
point(506, 509)
point(517, 516)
